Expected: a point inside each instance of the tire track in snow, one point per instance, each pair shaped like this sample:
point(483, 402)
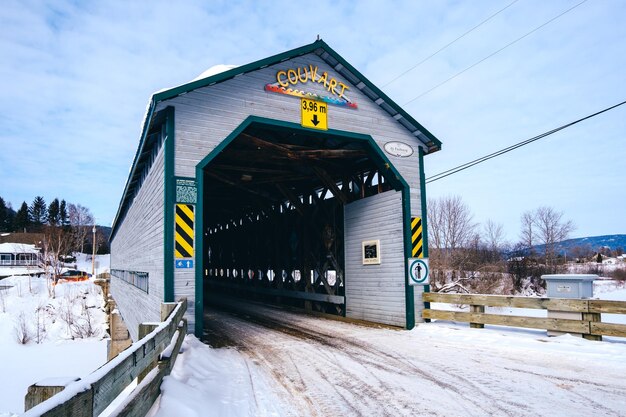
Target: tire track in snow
point(367, 356)
point(326, 367)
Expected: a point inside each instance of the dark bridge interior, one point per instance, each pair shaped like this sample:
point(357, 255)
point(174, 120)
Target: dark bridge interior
point(273, 214)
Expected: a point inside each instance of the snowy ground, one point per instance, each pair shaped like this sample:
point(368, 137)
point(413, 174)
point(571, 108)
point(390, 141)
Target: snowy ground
point(272, 362)
point(281, 363)
point(67, 333)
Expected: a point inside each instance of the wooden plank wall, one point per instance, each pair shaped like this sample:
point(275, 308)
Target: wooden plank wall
point(138, 246)
point(375, 292)
point(589, 324)
point(206, 116)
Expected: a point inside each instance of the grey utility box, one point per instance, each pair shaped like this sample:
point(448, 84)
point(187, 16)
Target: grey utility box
point(576, 286)
point(570, 285)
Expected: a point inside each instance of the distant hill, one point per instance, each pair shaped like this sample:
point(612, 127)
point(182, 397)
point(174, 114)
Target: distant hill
point(592, 242)
point(105, 230)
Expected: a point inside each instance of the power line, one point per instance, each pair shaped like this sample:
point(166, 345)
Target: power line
point(444, 47)
point(513, 147)
point(494, 53)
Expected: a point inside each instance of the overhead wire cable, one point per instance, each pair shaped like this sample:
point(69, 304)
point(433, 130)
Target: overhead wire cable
point(477, 161)
point(494, 53)
point(450, 43)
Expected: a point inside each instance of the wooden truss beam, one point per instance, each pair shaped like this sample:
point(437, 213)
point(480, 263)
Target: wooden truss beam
point(293, 199)
point(329, 182)
point(238, 185)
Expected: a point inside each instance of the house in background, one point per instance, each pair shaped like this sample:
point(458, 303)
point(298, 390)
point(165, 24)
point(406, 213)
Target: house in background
point(18, 254)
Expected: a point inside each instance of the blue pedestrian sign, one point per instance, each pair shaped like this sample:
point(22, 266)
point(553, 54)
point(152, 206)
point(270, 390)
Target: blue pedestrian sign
point(184, 263)
point(418, 271)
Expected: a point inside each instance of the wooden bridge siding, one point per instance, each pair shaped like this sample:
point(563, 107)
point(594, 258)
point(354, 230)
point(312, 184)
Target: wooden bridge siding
point(375, 292)
point(206, 116)
point(138, 246)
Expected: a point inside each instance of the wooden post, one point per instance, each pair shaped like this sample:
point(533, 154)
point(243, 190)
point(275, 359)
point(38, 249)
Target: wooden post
point(477, 309)
point(120, 338)
point(41, 391)
point(144, 330)
point(592, 317)
point(80, 405)
point(166, 310)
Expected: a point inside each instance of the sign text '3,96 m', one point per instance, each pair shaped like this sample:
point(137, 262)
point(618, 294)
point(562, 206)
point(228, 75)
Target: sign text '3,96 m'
point(314, 114)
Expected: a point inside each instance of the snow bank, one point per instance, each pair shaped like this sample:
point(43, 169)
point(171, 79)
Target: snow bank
point(66, 334)
point(214, 382)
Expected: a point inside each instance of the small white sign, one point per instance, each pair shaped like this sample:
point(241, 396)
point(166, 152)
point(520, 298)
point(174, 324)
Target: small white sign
point(563, 288)
point(370, 251)
point(400, 149)
point(418, 271)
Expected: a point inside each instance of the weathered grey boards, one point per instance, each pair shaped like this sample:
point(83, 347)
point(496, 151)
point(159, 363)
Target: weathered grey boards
point(590, 327)
point(234, 148)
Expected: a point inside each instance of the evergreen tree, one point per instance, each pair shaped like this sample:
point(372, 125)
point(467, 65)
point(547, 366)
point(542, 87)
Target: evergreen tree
point(9, 218)
point(4, 216)
point(64, 219)
point(38, 212)
point(54, 214)
point(22, 220)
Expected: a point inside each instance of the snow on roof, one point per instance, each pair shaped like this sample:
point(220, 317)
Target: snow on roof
point(17, 248)
point(215, 69)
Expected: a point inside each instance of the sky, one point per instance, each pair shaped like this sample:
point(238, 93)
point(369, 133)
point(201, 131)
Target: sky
point(76, 78)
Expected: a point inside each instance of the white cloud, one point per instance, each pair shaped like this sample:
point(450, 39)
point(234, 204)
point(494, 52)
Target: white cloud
point(76, 78)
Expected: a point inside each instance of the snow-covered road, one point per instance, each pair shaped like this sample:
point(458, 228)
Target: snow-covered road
point(325, 367)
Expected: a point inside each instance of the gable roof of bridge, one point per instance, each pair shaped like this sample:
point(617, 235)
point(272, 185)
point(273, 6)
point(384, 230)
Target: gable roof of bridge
point(334, 60)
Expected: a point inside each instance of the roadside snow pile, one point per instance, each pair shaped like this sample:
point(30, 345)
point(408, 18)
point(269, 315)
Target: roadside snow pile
point(214, 382)
point(45, 332)
point(83, 263)
point(608, 289)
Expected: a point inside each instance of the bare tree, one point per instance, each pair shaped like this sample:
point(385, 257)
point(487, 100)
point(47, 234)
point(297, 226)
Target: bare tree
point(57, 243)
point(23, 332)
point(450, 228)
point(527, 237)
point(551, 229)
point(81, 221)
point(494, 236)
point(450, 223)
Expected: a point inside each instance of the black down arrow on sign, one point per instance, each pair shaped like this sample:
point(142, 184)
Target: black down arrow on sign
point(314, 120)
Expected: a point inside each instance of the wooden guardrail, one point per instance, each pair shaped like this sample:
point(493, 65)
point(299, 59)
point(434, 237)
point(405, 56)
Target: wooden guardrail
point(151, 359)
point(590, 324)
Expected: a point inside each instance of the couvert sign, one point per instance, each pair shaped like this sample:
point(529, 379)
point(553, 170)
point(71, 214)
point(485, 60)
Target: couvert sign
point(286, 80)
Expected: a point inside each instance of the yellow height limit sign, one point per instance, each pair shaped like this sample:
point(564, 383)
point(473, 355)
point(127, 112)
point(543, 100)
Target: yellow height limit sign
point(314, 114)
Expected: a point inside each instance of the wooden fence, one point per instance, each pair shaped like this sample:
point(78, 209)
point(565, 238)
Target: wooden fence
point(589, 322)
point(151, 359)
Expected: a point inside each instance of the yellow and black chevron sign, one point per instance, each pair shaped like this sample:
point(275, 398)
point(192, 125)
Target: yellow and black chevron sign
point(416, 237)
point(184, 231)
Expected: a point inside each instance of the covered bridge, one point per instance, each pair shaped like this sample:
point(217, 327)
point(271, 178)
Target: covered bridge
point(292, 179)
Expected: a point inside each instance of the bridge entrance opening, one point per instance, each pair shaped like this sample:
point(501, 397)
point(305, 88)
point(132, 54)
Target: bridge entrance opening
point(272, 212)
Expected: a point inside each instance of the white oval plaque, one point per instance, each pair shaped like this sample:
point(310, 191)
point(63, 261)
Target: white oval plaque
point(398, 149)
